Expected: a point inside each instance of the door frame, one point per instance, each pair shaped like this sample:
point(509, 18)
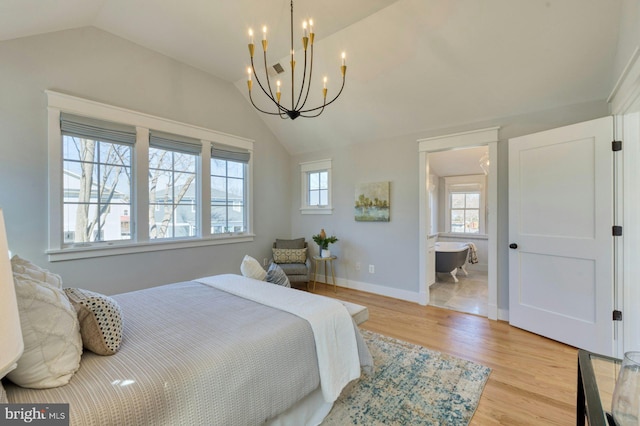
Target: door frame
point(624, 102)
point(482, 137)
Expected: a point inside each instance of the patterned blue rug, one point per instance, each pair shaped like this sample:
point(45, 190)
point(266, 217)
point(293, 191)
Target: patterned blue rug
point(411, 385)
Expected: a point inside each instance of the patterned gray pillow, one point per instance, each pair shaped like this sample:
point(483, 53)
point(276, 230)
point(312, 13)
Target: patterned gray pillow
point(100, 320)
point(276, 275)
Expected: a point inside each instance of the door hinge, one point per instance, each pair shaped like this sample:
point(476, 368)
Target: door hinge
point(616, 146)
point(616, 231)
point(617, 315)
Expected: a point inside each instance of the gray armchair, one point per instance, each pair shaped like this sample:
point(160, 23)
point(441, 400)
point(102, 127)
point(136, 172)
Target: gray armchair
point(296, 272)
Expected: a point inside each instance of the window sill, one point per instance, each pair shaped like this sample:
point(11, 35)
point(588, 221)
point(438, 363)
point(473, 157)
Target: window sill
point(119, 248)
point(316, 210)
point(463, 236)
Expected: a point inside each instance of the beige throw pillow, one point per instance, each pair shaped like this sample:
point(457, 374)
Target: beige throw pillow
point(100, 320)
point(289, 255)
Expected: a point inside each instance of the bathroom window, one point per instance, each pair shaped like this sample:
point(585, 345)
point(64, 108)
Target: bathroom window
point(465, 204)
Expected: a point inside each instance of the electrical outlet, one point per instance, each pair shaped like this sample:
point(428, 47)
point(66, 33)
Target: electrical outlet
point(357, 266)
point(372, 269)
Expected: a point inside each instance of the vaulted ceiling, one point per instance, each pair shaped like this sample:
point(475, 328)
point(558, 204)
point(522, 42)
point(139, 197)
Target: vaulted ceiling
point(413, 65)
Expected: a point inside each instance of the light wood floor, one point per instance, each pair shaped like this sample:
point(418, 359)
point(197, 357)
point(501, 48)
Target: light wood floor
point(533, 379)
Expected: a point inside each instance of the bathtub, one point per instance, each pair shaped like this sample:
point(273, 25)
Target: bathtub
point(451, 256)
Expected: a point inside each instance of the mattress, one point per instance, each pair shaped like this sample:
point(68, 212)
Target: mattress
point(191, 354)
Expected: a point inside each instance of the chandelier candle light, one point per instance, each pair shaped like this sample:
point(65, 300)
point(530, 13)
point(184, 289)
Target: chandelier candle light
point(297, 107)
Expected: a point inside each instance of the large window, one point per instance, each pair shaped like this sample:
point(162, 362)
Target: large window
point(465, 204)
point(316, 187)
point(117, 185)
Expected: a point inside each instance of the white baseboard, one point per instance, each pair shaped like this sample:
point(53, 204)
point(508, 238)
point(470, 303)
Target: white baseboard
point(381, 290)
point(503, 314)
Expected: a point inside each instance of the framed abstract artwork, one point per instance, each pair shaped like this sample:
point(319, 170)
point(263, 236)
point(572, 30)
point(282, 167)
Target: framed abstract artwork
point(372, 202)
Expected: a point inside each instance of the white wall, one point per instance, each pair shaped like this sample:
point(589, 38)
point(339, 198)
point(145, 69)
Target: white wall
point(393, 247)
point(96, 65)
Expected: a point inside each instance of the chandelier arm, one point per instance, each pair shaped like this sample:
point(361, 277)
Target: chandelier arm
point(326, 103)
point(280, 107)
point(261, 110)
point(266, 73)
point(315, 115)
point(306, 96)
point(304, 80)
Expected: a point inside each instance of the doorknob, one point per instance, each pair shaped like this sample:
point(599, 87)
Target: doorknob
point(513, 246)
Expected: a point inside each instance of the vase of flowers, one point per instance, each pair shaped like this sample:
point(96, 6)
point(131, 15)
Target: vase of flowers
point(323, 243)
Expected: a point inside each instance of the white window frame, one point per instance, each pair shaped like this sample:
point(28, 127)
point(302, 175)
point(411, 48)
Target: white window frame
point(314, 167)
point(470, 183)
point(139, 225)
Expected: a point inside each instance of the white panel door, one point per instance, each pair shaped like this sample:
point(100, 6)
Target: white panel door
point(560, 219)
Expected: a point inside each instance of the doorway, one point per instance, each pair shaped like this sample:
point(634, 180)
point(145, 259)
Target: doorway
point(457, 188)
point(481, 138)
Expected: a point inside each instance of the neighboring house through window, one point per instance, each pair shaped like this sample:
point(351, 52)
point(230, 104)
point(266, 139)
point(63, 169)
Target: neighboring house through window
point(316, 187)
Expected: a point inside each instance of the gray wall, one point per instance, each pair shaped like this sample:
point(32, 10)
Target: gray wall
point(393, 247)
point(93, 64)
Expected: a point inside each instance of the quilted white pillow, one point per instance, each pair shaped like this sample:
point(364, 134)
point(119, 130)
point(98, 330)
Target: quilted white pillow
point(251, 268)
point(3, 395)
point(51, 334)
point(25, 267)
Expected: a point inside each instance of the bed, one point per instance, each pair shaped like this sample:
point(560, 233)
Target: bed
point(220, 350)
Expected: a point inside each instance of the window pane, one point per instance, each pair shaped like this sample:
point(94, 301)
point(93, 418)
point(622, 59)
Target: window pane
point(324, 180)
point(184, 162)
point(218, 167)
point(457, 220)
point(218, 219)
point(236, 190)
point(236, 170)
point(314, 181)
point(457, 201)
point(159, 159)
point(472, 221)
point(473, 201)
point(324, 197)
point(185, 188)
point(161, 222)
point(314, 198)
point(115, 154)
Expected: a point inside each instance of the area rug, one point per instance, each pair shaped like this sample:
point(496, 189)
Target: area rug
point(411, 385)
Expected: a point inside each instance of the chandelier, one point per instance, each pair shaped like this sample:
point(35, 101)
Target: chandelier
point(297, 108)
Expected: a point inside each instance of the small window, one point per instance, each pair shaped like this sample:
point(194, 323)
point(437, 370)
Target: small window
point(316, 187)
point(465, 204)
point(173, 194)
point(228, 194)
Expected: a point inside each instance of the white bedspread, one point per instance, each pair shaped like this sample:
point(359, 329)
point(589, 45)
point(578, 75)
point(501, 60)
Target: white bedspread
point(332, 326)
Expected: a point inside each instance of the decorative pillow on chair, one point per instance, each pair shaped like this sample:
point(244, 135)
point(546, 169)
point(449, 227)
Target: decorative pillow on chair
point(51, 334)
point(251, 268)
point(100, 320)
point(24, 267)
point(276, 275)
point(298, 243)
point(289, 255)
